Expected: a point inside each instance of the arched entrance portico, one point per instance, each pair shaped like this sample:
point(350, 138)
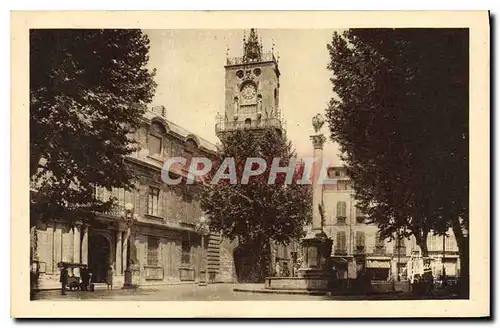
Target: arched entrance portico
point(99, 256)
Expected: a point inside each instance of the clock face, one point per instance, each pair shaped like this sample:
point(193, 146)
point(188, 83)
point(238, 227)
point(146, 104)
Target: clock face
point(248, 91)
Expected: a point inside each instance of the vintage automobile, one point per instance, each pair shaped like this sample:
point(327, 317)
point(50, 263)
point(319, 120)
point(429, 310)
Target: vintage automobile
point(76, 282)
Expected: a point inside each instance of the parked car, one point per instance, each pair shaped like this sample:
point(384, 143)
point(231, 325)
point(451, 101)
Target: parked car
point(76, 282)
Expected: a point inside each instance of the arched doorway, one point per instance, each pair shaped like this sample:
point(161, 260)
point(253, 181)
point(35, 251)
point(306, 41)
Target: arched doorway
point(99, 251)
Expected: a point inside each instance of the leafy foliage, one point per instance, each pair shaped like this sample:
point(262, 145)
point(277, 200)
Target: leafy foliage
point(401, 119)
point(88, 91)
point(257, 212)
point(257, 209)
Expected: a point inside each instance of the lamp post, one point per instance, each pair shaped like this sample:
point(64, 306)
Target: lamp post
point(399, 258)
point(130, 218)
point(443, 260)
point(203, 228)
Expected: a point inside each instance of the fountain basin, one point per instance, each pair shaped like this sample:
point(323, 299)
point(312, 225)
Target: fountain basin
point(318, 282)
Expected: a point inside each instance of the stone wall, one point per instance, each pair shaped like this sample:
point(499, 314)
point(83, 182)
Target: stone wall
point(227, 271)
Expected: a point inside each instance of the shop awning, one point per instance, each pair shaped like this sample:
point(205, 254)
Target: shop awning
point(378, 264)
point(340, 259)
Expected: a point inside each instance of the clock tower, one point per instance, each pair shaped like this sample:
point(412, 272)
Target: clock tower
point(251, 89)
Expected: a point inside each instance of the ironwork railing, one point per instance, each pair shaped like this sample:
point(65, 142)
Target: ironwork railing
point(241, 60)
point(241, 125)
point(116, 210)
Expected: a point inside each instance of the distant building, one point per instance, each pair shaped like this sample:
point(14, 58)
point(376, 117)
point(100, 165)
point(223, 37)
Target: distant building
point(166, 241)
point(356, 244)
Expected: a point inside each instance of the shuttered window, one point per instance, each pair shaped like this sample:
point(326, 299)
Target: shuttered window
point(153, 201)
point(400, 246)
point(186, 252)
point(153, 246)
point(341, 212)
point(360, 241)
point(379, 244)
point(341, 242)
point(154, 145)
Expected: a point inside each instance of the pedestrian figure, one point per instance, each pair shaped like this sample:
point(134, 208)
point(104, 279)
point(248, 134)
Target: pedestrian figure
point(63, 279)
point(278, 268)
point(286, 271)
point(416, 285)
point(109, 278)
point(84, 272)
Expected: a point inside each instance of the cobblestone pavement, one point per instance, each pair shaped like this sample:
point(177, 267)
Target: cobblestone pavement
point(215, 292)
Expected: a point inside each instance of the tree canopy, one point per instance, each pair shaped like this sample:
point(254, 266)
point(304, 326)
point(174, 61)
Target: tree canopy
point(88, 91)
point(257, 212)
point(257, 209)
point(400, 115)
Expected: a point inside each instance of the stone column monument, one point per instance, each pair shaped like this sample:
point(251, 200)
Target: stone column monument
point(315, 273)
point(316, 246)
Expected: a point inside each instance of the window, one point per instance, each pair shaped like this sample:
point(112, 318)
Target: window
point(341, 243)
point(341, 212)
point(450, 244)
point(186, 252)
point(337, 173)
point(122, 196)
point(100, 193)
point(399, 246)
point(153, 246)
point(276, 99)
point(154, 145)
point(158, 128)
point(379, 244)
point(153, 201)
point(360, 242)
point(360, 217)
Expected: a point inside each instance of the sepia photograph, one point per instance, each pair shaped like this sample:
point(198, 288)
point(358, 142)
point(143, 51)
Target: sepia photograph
point(254, 162)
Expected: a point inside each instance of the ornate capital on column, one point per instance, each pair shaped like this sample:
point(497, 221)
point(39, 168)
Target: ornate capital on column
point(318, 141)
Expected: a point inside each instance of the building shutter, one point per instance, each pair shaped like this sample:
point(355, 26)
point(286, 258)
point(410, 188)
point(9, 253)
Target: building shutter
point(341, 241)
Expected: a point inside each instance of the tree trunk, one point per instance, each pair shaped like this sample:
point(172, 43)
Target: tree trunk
point(463, 250)
point(272, 258)
point(422, 243)
point(252, 261)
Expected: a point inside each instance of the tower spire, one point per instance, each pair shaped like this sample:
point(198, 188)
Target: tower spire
point(252, 47)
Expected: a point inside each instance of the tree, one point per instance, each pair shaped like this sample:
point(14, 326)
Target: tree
point(400, 116)
point(258, 212)
point(88, 91)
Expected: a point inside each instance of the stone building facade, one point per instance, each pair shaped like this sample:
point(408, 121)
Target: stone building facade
point(356, 244)
point(165, 239)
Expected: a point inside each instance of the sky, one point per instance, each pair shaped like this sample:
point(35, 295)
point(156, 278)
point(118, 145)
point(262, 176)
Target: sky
point(190, 78)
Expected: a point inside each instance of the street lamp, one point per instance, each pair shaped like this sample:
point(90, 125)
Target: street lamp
point(129, 217)
point(203, 228)
point(398, 265)
point(443, 272)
